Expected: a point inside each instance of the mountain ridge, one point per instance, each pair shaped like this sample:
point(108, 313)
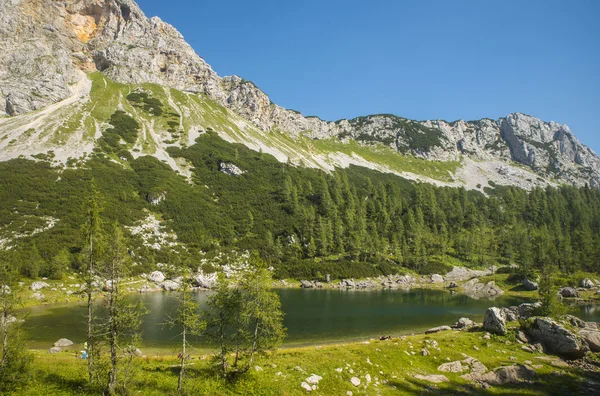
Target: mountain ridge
point(115, 38)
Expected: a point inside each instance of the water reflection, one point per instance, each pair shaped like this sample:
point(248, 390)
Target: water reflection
point(310, 315)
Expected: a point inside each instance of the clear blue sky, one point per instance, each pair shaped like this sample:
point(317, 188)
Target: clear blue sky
point(420, 59)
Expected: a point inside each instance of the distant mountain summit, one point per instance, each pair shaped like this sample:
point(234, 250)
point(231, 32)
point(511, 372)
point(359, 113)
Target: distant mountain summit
point(51, 48)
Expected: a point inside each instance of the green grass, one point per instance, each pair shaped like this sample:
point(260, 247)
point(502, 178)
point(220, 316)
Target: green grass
point(391, 365)
point(391, 159)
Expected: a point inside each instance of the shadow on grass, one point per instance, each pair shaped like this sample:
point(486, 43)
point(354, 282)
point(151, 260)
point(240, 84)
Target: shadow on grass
point(72, 384)
point(542, 384)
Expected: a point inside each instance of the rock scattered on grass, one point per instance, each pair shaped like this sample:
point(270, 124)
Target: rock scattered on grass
point(434, 378)
point(452, 367)
point(63, 342)
point(355, 381)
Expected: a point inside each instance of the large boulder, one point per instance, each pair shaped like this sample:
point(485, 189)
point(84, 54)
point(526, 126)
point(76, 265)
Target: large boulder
point(306, 284)
point(35, 286)
point(170, 285)
point(452, 367)
point(556, 338)
point(156, 277)
point(587, 283)
point(475, 289)
point(349, 283)
point(464, 323)
point(206, 281)
point(529, 285)
point(503, 375)
point(438, 329)
point(38, 296)
point(510, 314)
point(494, 321)
point(63, 342)
point(462, 273)
point(436, 278)
point(527, 310)
point(55, 350)
point(591, 338)
point(569, 292)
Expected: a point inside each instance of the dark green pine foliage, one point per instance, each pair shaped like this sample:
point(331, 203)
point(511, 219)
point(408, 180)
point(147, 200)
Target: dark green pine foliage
point(305, 223)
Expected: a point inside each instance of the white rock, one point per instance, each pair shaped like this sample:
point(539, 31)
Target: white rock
point(38, 286)
point(355, 381)
point(314, 379)
point(63, 342)
point(306, 386)
point(156, 277)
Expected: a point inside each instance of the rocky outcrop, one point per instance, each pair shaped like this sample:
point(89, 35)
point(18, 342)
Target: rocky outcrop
point(156, 277)
point(529, 285)
point(438, 329)
point(587, 283)
point(504, 375)
point(569, 292)
point(556, 338)
point(170, 285)
point(35, 286)
point(436, 278)
point(592, 338)
point(462, 273)
point(230, 169)
point(205, 281)
point(63, 342)
point(475, 289)
point(495, 321)
point(464, 323)
point(306, 284)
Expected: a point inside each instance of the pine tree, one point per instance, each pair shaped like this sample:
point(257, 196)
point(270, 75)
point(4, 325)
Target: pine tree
point(15, 360)
point(123, 317)
point(93, 237)
point(189, 321)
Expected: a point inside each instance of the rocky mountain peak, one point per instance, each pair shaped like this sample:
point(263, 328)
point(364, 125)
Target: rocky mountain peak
point(48, 44)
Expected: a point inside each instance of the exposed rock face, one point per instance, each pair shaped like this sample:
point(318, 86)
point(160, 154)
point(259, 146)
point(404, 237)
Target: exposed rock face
point(230, 169)
point(569, 292)
point(530, 285)
point(156, 276)
point(306, 284)
point(464, 323)
point(587, 283)
point(63, 342)
point(494, 321)
point(592, 338)
point(170, 285)
point(505, 375)
point(206, 281)
point(436, 379)
point(475, 289)
point(452, 367)
point(435, 278)
point(46, 44)
point(35, 286)
point(462, 273)
point(556, 338)
point(438, 329)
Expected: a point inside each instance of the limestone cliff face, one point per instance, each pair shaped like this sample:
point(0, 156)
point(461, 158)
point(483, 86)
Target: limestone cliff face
point(46, 42)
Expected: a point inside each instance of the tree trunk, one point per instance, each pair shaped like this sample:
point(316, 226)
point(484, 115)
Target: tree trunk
point(182, 369)
point(89, 338)
point(222, 341)
point(113, 333)
point(4, 326)
point(254, 342)
point(183, 340)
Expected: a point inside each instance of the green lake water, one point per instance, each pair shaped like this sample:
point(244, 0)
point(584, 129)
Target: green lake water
point(311, 316)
